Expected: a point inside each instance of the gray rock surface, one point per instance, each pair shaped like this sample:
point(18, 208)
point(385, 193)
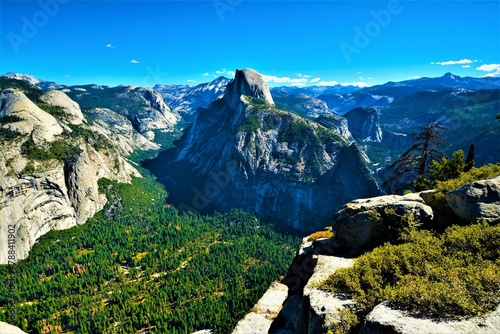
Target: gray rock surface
point(6, 328)
point(302, 105)
point(364, 123)
point(259, 320)
point(384, 319)
point(325, 307)
point(40, 124)
point(186, 100)
point(120, 131)
point(60, 99)
point(247, 82)
point(298, 182)
point(357, 223)
point(337, 124)
point(58, 195)
point(478, 200)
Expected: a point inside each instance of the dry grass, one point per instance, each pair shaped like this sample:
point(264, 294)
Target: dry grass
point(320, 235)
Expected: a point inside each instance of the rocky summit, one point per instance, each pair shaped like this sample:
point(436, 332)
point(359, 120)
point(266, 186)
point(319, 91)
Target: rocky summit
point(246, 153)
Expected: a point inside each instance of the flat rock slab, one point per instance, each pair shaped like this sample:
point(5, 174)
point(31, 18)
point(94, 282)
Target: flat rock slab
point(383, 320)
point(261, 317)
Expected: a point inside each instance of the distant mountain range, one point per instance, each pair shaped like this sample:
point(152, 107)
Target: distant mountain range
point(379, 118)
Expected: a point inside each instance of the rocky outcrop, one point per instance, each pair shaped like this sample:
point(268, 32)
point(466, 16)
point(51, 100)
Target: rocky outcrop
point(70, 107)
point(249, 83)
point(245, 153)
point(384, 319)
point(51, 194)
point(337, 124)
point(301, 104)
point(364, 223)
point(307, 308)
point(364, 124)
point(186, 100)
point(6, 328)
point(478, 200)
point(41, 125)
point(261, 316)
point(144, 107)
point(325, 308)
point(120, 131)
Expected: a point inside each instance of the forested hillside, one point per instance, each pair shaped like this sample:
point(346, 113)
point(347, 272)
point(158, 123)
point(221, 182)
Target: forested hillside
point(139, 264)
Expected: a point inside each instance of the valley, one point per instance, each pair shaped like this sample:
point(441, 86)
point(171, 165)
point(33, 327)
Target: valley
point(190, 200)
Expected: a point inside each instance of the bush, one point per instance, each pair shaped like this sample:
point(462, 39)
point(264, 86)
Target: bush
point(321, 234)
point(475, 174)
point(455, 274)
point(6, 119)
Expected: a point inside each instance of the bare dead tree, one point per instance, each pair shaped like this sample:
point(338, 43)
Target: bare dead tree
point(428, 145)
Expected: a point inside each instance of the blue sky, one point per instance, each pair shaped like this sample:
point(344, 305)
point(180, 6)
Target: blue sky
point(145, 43)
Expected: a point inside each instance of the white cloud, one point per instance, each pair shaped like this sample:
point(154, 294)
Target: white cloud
point(370, 78)
point(67, 76)
point(495, 68)
point(466, 66)
point(111, 46)
point(191, 81)
point(315, 80)
point(282, 80)
point(328, 83)
point(205, 74)
point(306, 76)
point(454, 62)
point(414, 77)
point(231, 73)
point(133, 61)
point(223, 71)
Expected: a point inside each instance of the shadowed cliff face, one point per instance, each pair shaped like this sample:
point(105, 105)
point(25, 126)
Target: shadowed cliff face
point(243, 152)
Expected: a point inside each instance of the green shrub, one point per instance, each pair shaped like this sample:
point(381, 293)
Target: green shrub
point(475, 174)
point(8, 134)
point(60, 150)
point(6, 119)
point(455, 274)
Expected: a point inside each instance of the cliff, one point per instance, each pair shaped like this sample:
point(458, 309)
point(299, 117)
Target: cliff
point(246, 153)
point(49, 167)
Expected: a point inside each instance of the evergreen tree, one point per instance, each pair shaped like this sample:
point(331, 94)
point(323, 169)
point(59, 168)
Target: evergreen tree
point(469, 161)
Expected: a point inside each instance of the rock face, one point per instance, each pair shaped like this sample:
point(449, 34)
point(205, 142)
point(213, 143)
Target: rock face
point(52, 194)
point(40, 124)
point(337, 124)
point(245, 153)
point(364, 123)
point(360, 224)
point(325, 307)
point(186, 100)
point(5, 328)
point(478, 200)
point(259, 320)
point(119, 130)
point(307, 309)
point(384, 319)
point(302, 105)
point(143, 107)
point(250, 83)
point(59, 99)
